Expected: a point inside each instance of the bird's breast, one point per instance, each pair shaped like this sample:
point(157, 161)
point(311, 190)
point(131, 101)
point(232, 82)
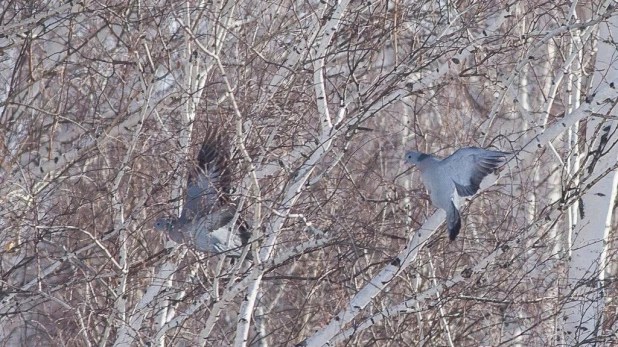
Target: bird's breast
point(441, 188)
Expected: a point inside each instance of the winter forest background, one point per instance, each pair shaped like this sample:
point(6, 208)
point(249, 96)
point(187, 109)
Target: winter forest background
point(104, 104)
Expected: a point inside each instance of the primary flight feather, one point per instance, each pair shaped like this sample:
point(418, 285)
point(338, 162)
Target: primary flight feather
point(458, 175)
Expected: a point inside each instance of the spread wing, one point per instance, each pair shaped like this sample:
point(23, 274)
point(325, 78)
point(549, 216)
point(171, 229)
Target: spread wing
point(468, 166)
point(208, 181)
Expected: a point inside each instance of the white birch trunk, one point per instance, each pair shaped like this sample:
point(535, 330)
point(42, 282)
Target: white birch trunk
point(583, 313)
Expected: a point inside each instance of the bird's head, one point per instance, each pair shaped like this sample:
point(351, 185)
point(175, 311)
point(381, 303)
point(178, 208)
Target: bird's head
point(415, 158)
point(162, 225)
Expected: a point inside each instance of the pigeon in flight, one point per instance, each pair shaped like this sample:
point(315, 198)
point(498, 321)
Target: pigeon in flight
point(458, 175)
point(205, 223)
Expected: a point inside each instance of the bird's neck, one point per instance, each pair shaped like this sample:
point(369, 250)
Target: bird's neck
point(428, 162)
point(173, 230)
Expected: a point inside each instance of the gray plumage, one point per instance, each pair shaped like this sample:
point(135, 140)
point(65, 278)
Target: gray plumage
point(205, 223)
point(458, 175)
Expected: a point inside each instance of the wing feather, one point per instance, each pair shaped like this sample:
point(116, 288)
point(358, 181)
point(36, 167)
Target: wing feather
point(470, 165)
point(208, 181)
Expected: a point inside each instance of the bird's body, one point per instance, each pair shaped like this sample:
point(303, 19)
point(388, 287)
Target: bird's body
point(457, 175)
point(216, 233)
point(208, 233)
point(207, 223)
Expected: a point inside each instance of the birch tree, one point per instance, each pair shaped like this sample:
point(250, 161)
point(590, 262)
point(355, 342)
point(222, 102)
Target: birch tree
point(591, 236)
point(315, 102)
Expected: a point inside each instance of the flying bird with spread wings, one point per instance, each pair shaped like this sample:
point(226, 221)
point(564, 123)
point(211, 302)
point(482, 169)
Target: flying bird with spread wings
point(456, 176)
point(206, 223)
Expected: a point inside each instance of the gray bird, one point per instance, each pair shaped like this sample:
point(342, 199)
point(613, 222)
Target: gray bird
point(458, 175)
point(205, 223)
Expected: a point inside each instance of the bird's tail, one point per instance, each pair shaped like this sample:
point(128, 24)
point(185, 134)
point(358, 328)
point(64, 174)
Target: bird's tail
point(453, 222)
